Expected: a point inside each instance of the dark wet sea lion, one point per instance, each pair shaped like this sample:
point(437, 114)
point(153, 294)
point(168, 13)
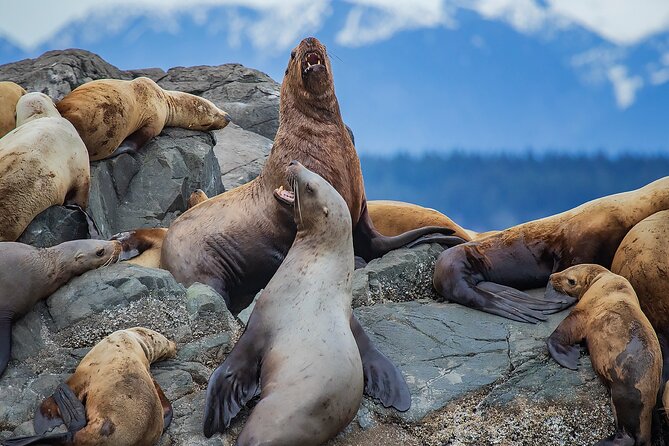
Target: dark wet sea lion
point(10, 93)
point(486, 274)
point(28, 275)
point(623, 347)
point(298, 345)
point(111, 399)
point(115, 116)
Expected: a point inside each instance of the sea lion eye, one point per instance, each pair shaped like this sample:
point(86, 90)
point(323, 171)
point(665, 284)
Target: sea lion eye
point(571, 282)
point(100, 252)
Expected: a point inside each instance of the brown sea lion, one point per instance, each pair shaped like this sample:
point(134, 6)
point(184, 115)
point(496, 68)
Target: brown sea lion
point(480, 274)
point(43, 162)
point(623, 347)
point(643, 259)
point(10, 93)
point(111, 399)
point(142, 246)
point(298, 346)
point(114, 116)
point(29, 274)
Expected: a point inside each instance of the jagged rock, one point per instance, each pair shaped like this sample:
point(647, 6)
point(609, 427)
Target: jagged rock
point(56, 73)
point(241, 154)
point(55, 225)
point(154, 74)
point(151, 187)
point(250, 97)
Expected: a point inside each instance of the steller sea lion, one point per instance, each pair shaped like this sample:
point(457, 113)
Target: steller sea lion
point(481, 273)
point(142, 246)
point(298, 346)
point(114, 116)
point(111, 399)
point(43, 162)
point(623, 347)
point(28, 275)
point(10, 93)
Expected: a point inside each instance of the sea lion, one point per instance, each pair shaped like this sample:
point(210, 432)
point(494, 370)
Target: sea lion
point(623, 347)
point(643, 259)
point(235, 241)
point(43, 162)
point(197, 197)
point(29, 274)
point(480, 274)
point(142, 246)
point(114, 116)
point(111, 399)
point(298, 342)
point(10, 93)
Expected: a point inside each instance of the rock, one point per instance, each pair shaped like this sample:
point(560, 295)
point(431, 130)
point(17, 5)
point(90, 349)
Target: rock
point(154, 74)
point(151, 187)
point(250, 97)
point(56, 73)
point(55, 225)
point(241, 154)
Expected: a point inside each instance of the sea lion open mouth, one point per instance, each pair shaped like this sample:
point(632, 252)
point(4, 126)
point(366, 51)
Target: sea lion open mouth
point(312, 61)
point(285, 196)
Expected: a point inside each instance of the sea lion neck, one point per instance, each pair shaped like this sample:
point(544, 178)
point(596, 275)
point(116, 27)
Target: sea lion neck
point(299, 104)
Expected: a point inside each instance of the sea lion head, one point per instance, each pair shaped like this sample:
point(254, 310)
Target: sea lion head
point(317, 205)
point(574, 281)
point(34, 106)
point(309, 74)
point(85, 255)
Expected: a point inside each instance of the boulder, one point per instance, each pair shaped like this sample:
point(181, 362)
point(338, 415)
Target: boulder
point(241, 154)
point(55, 225)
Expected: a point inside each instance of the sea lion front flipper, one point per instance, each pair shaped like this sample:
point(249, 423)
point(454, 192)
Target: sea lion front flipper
point(383, 380)
point(63, 407)
point(547, 305)
point(6, 318)
point(168, 412)
point(134, 141)
point(55, 439)
point(232, 384)
point(562, 342)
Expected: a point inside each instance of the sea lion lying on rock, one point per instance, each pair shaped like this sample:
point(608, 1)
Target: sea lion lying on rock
point(10, 93)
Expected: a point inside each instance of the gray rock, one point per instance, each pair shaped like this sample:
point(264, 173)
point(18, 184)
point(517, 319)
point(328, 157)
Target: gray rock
point(55, 225)
point(154, 74)
point(249, 96)
point(241, 154)
point(151, 188)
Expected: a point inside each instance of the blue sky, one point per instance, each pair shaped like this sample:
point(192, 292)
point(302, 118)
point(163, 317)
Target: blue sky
point(431, 75)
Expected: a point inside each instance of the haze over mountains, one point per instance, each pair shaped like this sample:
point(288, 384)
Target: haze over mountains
point(429, 76)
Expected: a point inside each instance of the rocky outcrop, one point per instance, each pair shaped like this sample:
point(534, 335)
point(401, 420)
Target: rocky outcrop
point(240, 153)
point(55, 225)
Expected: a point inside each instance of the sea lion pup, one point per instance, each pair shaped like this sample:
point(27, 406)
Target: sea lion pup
point(298, 345)
point(10, 93)
point(480, 274)
point(114, 116)
point(643, 259)
point(43, 162)
point(111, 399)
point(29, 274)
point(623, 347)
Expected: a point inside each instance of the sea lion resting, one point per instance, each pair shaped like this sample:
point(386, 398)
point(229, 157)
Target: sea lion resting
point(43, 162)
point(480, 274)
point(111, 399)
point(623, 347)
point(10, 93)
point(115, 116)
point(28, 275)
point(298, 343)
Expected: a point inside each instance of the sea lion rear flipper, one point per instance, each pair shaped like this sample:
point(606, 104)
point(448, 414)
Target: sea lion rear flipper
point(55, 439)
point(383, 380)
point(168, 412)
point(232, 385)
point(62, 407)
point(5, 339)
point(547, 304)
point(562, 342)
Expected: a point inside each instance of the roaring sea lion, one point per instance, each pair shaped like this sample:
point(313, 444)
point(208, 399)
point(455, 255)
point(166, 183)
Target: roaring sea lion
point(29, 274)
point(643, 259)
point(623, 347)
point(10, 93)
point(480, 273)
point(111, 399)
point(114, 116)
point(43, 162)
point(298, 346)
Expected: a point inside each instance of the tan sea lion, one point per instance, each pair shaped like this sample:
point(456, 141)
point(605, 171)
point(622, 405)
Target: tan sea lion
point(197, 197)
point(480, 274)
point(43, 162)
point(643, 259)
point(624, 350)
point(142, 246)
point(298, 346)
point(10, 93)
point(111, 399)
point(29, 274)
point(115, 116)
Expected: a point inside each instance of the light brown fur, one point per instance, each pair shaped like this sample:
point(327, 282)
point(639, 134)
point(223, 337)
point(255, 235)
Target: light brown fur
point(106, 112)
point(10, 93)
point(623, 347)
point(43, 162)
